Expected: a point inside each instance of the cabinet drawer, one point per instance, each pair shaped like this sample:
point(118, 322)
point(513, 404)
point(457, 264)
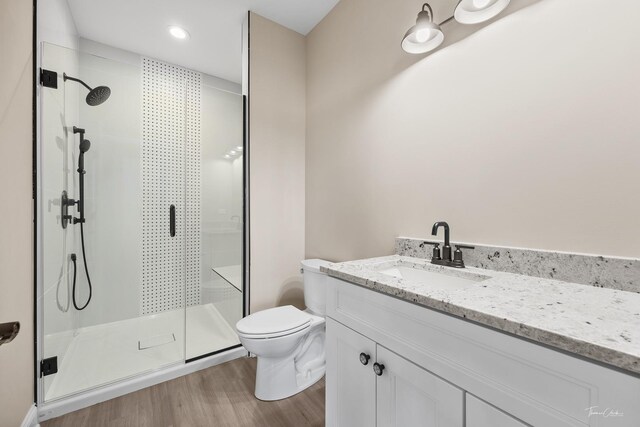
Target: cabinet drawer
point(481, 414)
point(536, 384)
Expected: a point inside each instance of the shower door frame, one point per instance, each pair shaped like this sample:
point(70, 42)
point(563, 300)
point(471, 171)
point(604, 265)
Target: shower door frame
point(57, 407)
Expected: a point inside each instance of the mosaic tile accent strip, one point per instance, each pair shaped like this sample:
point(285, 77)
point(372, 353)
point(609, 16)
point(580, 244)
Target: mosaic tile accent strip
point(170, 176)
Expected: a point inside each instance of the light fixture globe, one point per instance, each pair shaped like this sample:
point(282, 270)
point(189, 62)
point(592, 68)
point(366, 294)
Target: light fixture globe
point(476, 11)
point(425, 35)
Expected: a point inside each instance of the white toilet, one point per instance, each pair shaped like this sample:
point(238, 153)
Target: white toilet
point(288, 342)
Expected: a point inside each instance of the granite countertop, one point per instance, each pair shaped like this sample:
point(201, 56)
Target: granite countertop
point(597, 323)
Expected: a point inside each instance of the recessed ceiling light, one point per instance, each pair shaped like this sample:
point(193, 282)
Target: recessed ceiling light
point(226, 156)
point(232, 152)
point(178, 32)
point(239, 148)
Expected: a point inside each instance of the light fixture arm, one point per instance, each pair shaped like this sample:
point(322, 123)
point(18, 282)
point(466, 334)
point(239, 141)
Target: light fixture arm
point(430, 14)
point(429, 11)
point(451, 18)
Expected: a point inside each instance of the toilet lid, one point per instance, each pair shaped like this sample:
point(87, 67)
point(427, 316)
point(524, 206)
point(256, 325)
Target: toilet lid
point(274, 321)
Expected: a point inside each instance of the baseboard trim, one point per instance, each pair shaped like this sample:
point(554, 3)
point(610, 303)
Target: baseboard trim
point(60, 407)
point(31, 418)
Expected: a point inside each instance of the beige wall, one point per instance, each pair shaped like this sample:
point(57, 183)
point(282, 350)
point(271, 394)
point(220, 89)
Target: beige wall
point(16, 255)
point(526, 133)
point(277, 156)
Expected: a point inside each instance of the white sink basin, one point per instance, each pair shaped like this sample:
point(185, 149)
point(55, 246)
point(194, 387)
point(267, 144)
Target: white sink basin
point(433, 279)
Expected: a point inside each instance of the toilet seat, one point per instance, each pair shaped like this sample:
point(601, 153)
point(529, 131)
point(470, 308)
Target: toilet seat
point(274, 323)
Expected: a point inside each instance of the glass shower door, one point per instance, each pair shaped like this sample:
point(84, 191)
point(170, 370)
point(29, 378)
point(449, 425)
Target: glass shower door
point(141, 218)
point(211, 318)
point(127, 259)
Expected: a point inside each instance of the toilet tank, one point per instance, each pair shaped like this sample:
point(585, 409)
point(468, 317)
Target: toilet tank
point(315, 297)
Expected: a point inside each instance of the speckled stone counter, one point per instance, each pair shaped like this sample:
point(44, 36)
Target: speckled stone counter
point(598, 323)
point(604, 272)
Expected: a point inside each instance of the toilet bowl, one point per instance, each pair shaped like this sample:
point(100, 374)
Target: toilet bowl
point(288, 342)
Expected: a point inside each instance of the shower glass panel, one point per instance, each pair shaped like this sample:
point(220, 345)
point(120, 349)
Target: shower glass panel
point(162, 204)
point(134, 321)
point(221, 207)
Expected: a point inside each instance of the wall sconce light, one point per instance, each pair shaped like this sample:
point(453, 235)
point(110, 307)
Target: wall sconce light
point(425, 35)
point(476, 11)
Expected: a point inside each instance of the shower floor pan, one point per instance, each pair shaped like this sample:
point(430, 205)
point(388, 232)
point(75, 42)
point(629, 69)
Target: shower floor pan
point(102, 354)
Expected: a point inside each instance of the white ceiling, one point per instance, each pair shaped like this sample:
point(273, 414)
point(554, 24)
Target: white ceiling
point(215, 26)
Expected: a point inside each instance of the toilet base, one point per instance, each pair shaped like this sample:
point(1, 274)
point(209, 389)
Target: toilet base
point(290, 363)
point(277, 379)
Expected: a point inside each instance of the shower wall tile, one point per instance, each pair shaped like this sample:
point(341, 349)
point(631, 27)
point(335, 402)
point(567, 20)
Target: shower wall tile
point(170, 176)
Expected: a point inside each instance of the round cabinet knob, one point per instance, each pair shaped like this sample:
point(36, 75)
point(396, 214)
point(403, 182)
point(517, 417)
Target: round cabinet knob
point(378, 368)
point(364, 358)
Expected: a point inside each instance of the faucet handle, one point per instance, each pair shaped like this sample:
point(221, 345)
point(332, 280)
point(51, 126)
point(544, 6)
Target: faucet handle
point(457, 256)
point(464, 246)
point(436, 250)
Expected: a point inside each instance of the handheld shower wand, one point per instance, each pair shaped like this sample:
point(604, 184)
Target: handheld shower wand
point(85, 144)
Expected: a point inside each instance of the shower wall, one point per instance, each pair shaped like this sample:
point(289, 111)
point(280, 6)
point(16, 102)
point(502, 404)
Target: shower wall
point(163, 137)
point(113, 193)
point(221, 177)
point(170, 177)
point(221, 200)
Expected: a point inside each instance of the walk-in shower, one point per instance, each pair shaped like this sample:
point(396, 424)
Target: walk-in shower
point(135, 182)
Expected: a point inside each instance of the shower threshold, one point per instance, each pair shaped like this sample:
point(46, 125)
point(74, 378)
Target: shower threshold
point(103, 354)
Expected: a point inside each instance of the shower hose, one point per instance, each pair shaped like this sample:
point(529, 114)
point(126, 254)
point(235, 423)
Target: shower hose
point(86, 270)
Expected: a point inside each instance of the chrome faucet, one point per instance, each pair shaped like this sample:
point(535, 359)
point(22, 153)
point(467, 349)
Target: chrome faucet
point(444, 258)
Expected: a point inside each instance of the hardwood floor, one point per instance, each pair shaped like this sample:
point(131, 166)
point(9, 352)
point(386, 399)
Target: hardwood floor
point(218, 396)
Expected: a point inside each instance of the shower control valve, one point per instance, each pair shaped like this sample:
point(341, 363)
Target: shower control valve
point(69, 202)
point(65, 202)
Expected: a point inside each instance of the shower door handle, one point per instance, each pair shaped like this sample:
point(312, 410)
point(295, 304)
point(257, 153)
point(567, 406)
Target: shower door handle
point(172, 220)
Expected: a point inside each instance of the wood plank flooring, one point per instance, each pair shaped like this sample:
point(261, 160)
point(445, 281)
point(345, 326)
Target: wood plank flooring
point(217, 396)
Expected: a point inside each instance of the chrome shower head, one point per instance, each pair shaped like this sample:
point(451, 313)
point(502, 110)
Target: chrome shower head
point(96, 96)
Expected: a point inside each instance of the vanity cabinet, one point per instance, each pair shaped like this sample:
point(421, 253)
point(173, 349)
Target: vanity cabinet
point(481, 414)
point(352, 383)
point(408, 395)
point(373, 386)
point(441, 370)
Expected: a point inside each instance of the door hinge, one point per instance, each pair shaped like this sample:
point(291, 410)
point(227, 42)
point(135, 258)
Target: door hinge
point(48, 78)
point(48, 366)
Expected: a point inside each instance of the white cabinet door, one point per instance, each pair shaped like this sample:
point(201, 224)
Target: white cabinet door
point(350, 381)
point(410, 396)
point(481, 414)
